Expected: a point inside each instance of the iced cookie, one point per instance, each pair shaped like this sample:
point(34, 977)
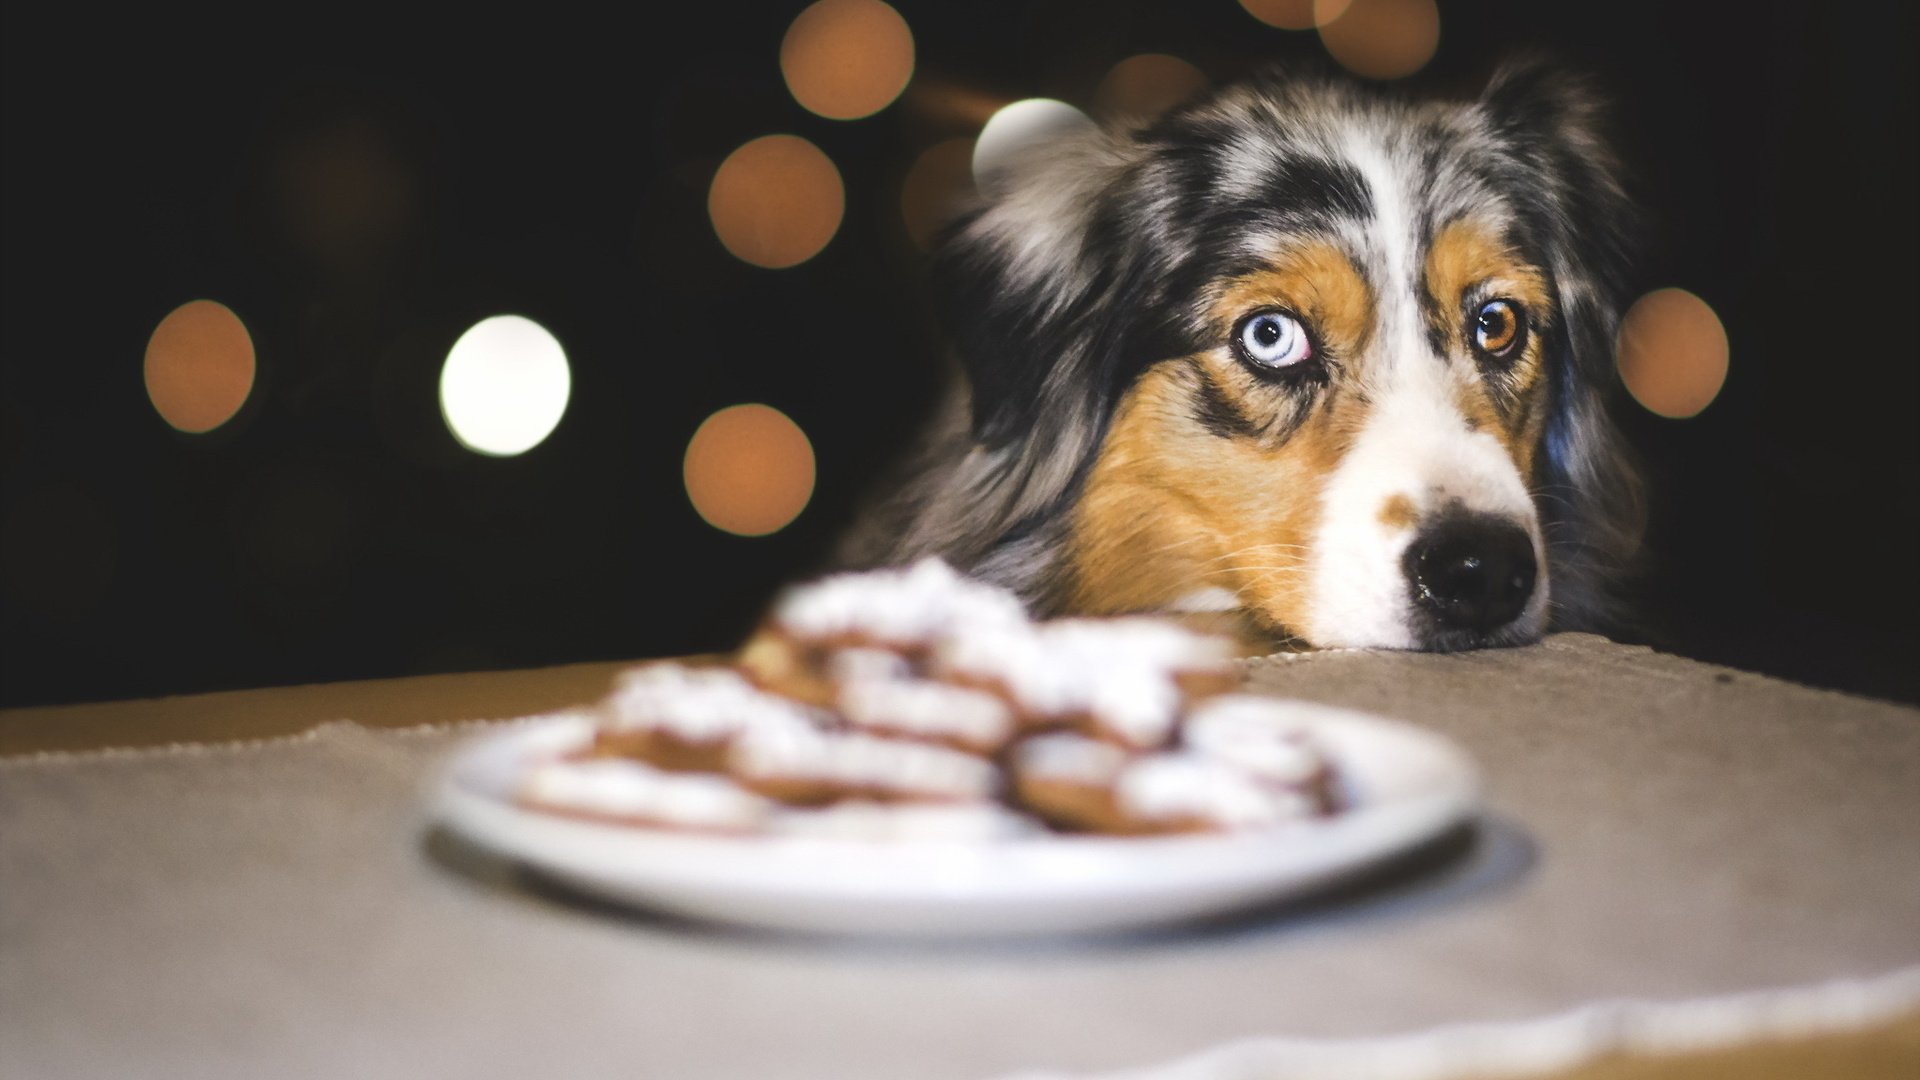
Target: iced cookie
point(1088, 785)
point(907, 612)
point(1123, 680)
point(801, 764)
point(628, 792)
point(1267, 740)
point(683, 718)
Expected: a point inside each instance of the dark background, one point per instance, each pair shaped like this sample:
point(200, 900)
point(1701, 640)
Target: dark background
point(558, 169)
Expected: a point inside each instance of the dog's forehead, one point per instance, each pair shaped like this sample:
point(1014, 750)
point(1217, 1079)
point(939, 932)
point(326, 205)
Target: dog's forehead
point(1261, 170)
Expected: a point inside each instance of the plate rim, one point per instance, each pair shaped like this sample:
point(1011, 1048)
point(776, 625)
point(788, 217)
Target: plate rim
point(981, 888)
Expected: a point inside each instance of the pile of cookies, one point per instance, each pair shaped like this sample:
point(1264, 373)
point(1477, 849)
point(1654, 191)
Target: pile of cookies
point(918, 704)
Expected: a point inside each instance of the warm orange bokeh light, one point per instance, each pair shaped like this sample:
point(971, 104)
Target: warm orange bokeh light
point(749, 470)
point(776, 201)
point(937, 185)
point(1147, 85)
point(199, 366)
point(1672, 353)
point(1294, 14)
point(845, 59)
point(1381, 39)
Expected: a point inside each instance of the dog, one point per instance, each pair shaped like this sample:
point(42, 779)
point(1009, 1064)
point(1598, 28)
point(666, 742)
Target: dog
point(1333, 360)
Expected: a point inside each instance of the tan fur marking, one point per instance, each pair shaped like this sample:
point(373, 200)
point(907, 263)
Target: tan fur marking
point(1398, 512)
point(1468, 257)
point(1171, 507)
point(1314, 281)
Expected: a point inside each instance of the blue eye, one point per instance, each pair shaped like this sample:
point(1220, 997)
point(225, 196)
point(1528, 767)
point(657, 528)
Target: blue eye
point(1272, 340)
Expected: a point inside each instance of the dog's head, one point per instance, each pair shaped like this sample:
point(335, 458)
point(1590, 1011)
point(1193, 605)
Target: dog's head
point(1313, 352)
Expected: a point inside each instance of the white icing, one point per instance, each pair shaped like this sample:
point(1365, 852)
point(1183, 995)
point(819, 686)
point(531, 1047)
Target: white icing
point(1119, 671)
point(803, 752)
point(620, 788)
point(858, 819)
point(932, 709)
point(1149, 642)
point(862, 665)
point(696, 704)
point(919, 604)
point(1171, 787)
point(1255, 734)
point(1071, 758)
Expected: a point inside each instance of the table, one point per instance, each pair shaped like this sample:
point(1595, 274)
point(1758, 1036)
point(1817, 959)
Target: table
point(1682, 869)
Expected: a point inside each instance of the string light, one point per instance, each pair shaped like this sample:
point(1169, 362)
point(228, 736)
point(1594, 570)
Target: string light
point(1380, 39)
point(1144, 86)
point(1672, 353)
point(845, 59)
point(749, 470)
point(1017, 128)
point(939, 182)
point(504, 386)
point(1295, 14)
point(776, 201)
point(199, 366)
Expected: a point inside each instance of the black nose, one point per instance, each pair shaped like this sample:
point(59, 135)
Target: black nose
point(1471, 572)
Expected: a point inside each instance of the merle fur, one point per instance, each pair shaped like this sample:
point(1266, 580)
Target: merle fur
point(1050, 336)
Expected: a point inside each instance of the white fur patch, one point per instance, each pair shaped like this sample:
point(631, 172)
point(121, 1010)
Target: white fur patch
point(1415, 444)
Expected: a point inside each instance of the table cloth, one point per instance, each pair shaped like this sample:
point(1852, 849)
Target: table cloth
point(1673, 858)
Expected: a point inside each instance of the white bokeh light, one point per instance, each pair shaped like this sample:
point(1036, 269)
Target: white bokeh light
point(1017, 127)
point(504, 386)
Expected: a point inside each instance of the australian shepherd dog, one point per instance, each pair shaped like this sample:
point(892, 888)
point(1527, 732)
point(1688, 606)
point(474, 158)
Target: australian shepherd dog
point(1303, 350)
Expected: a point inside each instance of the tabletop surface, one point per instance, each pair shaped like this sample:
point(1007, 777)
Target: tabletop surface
point(1656, 830)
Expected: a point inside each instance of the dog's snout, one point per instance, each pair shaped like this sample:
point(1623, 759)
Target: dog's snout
point(1471, 572)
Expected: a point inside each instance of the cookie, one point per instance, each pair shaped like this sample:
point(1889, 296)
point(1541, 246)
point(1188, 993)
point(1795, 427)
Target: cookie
point(1088, 785)
point(907, 612)
point(1123, 680)
point(802, 764)
point(1266, 739)
point(916, 705)
point(627, 792)
point(905, 707)
point(683, 718)
point(1068, 781)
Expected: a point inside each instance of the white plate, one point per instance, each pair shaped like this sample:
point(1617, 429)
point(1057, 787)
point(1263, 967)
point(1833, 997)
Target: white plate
point(1403, 785)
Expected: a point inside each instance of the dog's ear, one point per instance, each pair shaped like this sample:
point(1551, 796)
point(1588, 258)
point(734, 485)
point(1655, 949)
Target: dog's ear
point(1046, 291)
point(1568, 187)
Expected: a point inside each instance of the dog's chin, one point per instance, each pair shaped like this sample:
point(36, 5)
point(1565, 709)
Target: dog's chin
point(1435, 638)
point(1411, 631)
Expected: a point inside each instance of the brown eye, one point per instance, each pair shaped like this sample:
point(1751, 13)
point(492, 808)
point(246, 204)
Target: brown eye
point(1499, 328)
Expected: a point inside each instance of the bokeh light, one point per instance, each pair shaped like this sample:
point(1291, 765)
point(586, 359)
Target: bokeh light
point(199, 366)
point(1673, 353)
point(1295, 14)
point(1381, 39)
point(504, 386)
point(749, 470)
point(776, 201)
point(845, 59)
point(1144, 86)
point(938, 184)
point(1018, 127)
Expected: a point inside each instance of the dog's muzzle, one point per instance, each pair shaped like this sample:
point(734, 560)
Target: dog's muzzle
point(1469, 575)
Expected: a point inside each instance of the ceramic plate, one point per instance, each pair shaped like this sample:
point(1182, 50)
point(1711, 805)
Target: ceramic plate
point(1402, 785)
